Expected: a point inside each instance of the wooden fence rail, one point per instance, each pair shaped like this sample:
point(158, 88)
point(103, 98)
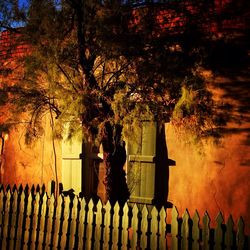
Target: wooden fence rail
point(35, 220)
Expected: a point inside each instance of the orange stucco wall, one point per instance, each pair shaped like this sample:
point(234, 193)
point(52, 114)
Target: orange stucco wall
point(30, 164)
point(215, 177)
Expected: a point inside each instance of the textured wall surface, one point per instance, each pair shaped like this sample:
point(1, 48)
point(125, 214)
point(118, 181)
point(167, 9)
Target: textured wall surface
point(216, 177)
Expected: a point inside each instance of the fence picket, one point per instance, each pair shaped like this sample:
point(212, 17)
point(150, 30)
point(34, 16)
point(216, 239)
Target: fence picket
point(57, 221)
point(98, 227)
point(135, 226)
point(205, 231)
point(81, 226)
point(89, 228)
point(28, 224)
point(219, 232)
point(34, 226)
point(50, 216)
point(19, 240)
point(154, 228)
point(41, 226)
point(115, 234)
point(144, 228)
point(6, 220)
point(73, 223)
point(240, 238)
point(13, 224)
point(174, 229)
point(65, 222)
point(162, 229)
point(107, 226)
point(39, 222)
point(125, 224)
point(196, 231)
point(185, 230)
point(229, 242)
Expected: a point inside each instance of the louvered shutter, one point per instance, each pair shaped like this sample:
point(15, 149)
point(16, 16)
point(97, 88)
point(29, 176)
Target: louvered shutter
point(141, 164)
point(71, 165)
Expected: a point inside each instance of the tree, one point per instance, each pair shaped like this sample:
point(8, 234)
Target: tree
point(90, 63)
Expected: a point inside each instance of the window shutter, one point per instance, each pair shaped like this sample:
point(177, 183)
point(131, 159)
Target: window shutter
point(71, 165)
point(141, 165)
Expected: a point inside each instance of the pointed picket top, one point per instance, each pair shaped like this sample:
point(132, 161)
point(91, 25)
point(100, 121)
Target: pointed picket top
point(74, 207)
point(65, 220)
point(175, 213)
point(8, 196)
point(59, 201)
point(30, 201)
point(99, 214)
point(205, 230)
point(67, 208)
point(107, 206)
point(35, 220)
point(116, 208)
point(134, 226)
point(185, 229)
point(240, 237)
point(72, 231)
point(41, 226)
point(185, 217)
point(219, 218)
point(196, 218)
point(154, 228)
point(125, 209)
point(20, 219)
point(13, 224)
point(115, 232)
point(144, 227)
point(125, 216)
point(219, 232)
point(51, 199)
point(107, 222)
point(229, 233)
point(174, 222)
point(154, 212)
point(89, 227)
point(162, 228)
point(83, 205)
point(125, 221)
point(98, 227)
point(91, 204)
point(44, 204)
point(196, 231)
point(135, 209)
point(81, 223)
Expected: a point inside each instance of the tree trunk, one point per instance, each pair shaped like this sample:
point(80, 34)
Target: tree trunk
point(114, 159)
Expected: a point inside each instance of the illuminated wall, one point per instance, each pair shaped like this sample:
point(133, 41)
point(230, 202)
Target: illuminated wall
point(30, 164)
point(216, 177)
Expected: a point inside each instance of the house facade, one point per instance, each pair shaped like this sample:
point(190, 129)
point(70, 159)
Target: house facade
point(212, 176)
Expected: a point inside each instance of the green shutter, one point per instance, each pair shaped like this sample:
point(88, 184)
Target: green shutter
point(141, 165)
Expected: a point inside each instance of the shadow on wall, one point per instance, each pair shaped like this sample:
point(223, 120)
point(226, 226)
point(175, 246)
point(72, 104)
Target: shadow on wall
point(162, 169)
point(230, 60)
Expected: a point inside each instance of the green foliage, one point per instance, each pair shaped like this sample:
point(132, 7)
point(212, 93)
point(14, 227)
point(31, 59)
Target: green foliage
point(86, 66)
